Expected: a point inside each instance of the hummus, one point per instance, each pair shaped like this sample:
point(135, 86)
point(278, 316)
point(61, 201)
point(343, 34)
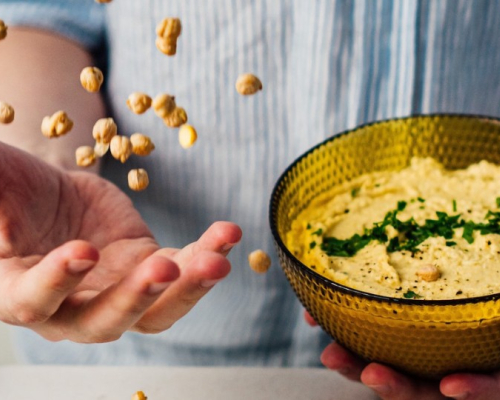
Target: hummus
point(423, 232)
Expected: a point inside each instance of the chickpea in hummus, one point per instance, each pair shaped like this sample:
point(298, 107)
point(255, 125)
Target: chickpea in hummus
point(423, 232)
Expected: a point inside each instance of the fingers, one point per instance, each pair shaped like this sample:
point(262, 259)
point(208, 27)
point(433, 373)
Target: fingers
point(107, 315)
point(309, 319)
point(43, 297)
point(336, 358)
point(220, 237)
point(32, 295)
point(471, 386)
point(203, 271)
point(391, 385)
point(203, 264)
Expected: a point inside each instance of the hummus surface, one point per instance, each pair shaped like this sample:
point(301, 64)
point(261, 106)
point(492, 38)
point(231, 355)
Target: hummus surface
point(383, 232)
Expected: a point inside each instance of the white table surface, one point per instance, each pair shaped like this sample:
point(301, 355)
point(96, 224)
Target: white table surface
point(184, 383)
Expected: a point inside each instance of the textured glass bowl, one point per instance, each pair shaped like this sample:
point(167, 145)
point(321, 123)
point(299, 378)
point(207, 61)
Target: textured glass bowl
point(422, 337)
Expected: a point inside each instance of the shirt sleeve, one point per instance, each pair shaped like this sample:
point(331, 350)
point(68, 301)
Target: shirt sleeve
point(79, 20)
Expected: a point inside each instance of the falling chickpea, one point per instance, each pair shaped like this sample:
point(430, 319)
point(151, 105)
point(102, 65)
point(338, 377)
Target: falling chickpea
point(167, 31)
point(169, 28)
point(3, 30)
point(85, 156)
point(104, 130)
point(6, 113)
point(187, 136)
point(259, 261)
point(91, 79)
point(100, 149)
point(176, 118)
point(138, 179)
point(120, 148)
point(141, 144)
point(56, 125)
point(139, 102)
point(248, 84)
point(163, 104)
point(166, 46)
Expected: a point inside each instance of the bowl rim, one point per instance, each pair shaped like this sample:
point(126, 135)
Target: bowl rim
point(276, 194)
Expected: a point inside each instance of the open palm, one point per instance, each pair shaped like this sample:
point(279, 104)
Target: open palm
point(78, 262)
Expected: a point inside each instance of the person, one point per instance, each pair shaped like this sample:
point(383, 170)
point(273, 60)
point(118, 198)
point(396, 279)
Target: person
point(89, 268)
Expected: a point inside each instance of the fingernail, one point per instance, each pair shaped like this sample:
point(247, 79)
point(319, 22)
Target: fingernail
point(158, 287)
point(228, 246)
point(459, 396)
point(79, 266)
point(209, 283)
point(381, 389)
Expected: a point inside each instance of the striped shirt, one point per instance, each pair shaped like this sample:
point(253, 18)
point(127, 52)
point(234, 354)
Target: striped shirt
point(326, 66)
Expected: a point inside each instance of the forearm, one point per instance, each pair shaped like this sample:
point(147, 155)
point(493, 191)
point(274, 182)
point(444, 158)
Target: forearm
point(39, 76)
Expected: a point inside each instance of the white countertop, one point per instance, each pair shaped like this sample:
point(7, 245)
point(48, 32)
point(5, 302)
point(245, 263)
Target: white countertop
point(180, 383)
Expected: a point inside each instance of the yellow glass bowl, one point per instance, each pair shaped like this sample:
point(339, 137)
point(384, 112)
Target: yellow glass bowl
point(424, 338)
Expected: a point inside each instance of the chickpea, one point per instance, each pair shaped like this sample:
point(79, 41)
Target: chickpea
point(248, 84)
point(100, 149)
point(139, 102)
point(166, 46)
point(91, 79)
point(3, 30)
point(187, 136)
point(176, 118)
point(138, 179)
point(103, 1)
point(259, 261)
point(85, 156)
point(56, 125)
point(428, 273)
point(141, 144)
point(6, 113)
point(163, 104)
point(120, 148)
point(104, 130)
point(139, 396)
point(168, 30)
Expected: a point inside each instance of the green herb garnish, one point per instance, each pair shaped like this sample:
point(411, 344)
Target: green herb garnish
point(355, 191)
point(454, 205)
point(318, 232)
point(421, 199)
point(498, 202)
point(411, 295)
point(345, 248)
point(312, 245)
point(468, 232)
point(410, 234)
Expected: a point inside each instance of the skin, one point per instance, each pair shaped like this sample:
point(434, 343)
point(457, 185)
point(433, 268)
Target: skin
point(82, 265)
point(77, 261)
point(38, 81)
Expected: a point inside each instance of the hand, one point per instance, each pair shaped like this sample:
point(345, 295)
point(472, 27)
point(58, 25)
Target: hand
point(77, 261)
point(392, 385)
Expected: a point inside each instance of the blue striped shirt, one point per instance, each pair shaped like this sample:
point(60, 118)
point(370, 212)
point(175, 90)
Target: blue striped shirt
point(326, 66)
